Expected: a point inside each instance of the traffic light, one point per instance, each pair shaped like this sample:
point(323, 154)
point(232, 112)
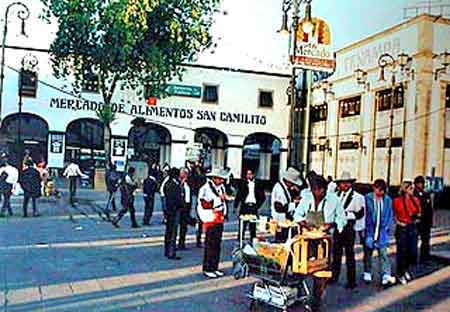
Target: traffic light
point(28, 83)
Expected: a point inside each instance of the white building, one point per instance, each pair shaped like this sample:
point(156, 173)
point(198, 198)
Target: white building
point(352, 131)
point(240, 117)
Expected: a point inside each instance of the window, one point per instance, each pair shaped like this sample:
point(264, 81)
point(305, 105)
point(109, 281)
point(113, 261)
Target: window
point(350, 107)
point(383, 99)
point(381, 143)
point(319, 113)
point(348, 145)
point(447, 96)
point(397, 142)
point(210, 94)
point(447, 143)
point(265, 99)
point(90, 80)
point(28, 82)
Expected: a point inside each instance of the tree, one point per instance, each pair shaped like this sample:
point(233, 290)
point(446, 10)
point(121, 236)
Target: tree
point(127, 43)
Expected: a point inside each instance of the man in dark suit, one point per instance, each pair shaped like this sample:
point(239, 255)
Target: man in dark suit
point(174, 205)
point(250, 196)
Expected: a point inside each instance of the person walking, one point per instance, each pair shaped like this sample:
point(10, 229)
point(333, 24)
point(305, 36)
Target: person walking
point(128, 187)
point(320, 210)
point(30, 180)
point(174, 205)
point(250, 197)
point(354, 207)
point(185, 214)
point(112, 185)
point(407, 213)
point(212, 209)
point(426, 218)
point(149, 190)
point(9, 176)
point(72, 173)
point(196, 180)
point(379, 219)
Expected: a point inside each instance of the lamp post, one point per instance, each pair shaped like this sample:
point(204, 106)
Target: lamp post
point(28, 65)
point(23, 13)
point(402, 63)
point(324, 144)
point(295, 110)
point(444, 59)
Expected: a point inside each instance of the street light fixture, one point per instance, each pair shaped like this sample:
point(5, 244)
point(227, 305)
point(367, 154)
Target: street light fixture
point(324, 144)
point(444, 59)
point(404, 62)
point(361, 78)
point(23, 13)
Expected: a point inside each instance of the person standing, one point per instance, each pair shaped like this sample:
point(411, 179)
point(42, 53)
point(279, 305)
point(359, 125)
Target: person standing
point(128, 187)
point(112, 185)
point(174, 205)
point(379, 219)
point(72, 173)
point(149, 190)
point(320, 210)
point(185, 214)
point(9, 176)
point(163, 197)
point(30, 180)
point(354, 207)
point(250, 196)
point(196, 180)
point(280, 199)
point(426, 219)
point(407, 213)
point(212, 209)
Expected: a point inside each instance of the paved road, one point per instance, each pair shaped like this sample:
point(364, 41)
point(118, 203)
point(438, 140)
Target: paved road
point(53, 264)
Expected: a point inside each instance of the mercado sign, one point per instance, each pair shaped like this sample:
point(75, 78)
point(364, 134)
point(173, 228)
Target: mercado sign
point(314, 50)
point(181, 90)
point(138, 110)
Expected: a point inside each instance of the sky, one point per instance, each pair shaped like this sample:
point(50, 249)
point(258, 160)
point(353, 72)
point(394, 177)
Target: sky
point(245, 30)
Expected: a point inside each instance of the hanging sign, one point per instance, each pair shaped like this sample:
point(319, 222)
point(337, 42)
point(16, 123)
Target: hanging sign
point(119, 147)
point(56, 143)
point(314, 50)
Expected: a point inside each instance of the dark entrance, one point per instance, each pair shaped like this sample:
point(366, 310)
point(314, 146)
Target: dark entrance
point(20, 132)
point(261, 153)
point(85, 144)
point(214, 144)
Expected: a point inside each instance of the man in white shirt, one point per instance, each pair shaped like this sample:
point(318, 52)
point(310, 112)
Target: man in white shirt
point(9, 176)
point(185, 214)
point(281, 197)
point(72, 173)
point(354, 206)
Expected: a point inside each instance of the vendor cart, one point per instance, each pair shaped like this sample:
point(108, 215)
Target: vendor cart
point(283, 270)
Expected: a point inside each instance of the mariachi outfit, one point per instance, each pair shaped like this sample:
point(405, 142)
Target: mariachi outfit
point(212, 211)
point(353, 204)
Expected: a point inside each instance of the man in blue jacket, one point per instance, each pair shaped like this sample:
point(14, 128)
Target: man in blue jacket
point(379, 220)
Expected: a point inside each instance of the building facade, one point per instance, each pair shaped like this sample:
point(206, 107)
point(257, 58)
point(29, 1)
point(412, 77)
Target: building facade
point(239, 119)
point(351, 132)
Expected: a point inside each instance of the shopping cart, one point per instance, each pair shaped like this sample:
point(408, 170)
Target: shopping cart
point(285, 283)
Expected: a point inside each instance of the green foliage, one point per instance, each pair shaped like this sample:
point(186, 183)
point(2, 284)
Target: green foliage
point(130, 43)
point(106, 115)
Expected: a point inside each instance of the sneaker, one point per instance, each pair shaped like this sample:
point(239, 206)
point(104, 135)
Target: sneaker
point(367, 277)
point(210, 274)
point(388, 280)
point(408, 276)
point(402, 280)
point(219, 273)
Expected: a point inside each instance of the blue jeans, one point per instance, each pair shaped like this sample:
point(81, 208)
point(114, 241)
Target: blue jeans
point(406, 239)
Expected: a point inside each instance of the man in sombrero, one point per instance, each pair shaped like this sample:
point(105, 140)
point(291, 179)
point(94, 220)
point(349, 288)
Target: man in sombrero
point(354, 207)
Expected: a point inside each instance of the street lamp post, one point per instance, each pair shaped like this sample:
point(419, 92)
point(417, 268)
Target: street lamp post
point(403, 62)
point(23, 14)
point(28, 65)
point(295, 111)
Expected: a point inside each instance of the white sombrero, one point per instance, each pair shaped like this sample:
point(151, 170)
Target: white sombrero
point(345, 177)
point(219, 173)
point(292, 175)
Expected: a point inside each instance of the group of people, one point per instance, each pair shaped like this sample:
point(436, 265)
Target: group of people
point(30, 178)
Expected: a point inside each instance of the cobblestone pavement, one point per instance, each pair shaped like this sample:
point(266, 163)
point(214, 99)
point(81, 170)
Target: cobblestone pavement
point(54, 264)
